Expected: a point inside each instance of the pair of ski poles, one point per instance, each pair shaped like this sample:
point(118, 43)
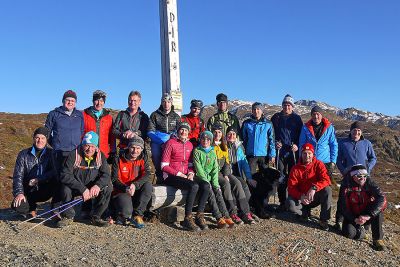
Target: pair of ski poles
point(63, 208)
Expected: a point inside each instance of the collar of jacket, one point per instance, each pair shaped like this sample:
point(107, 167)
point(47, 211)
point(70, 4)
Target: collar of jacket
point(161, 110)
point(89, 111)
point(262, 119)
point(324, 121)
point(361, 138)
point(33, 151)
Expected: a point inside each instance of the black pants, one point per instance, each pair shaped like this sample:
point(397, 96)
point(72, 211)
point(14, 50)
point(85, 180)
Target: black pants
point(285, 164)
point(245, 186)
point(355, 231)
point(322, 197)
point(192, 187)
point(33, 195)
point(215, 200)
point(233, 192)
point(59, 158)
point(97, 205)
point(255, 162)
point(126, 205)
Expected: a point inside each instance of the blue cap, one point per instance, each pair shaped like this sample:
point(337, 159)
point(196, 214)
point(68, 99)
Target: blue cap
point(90, 138)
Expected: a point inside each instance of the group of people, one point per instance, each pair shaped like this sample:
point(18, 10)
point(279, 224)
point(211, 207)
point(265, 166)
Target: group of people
point(233, 168)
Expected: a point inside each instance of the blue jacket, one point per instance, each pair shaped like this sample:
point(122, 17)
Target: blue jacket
point(326, 149)
point(65, 131)
point(258, 137)
point(287, 131)
point(352, 153)
point(243, 164)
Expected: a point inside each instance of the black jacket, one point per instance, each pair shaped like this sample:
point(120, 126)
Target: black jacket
point(28, 166)
point(79, 177)
point(137, 123)
point(166, 123)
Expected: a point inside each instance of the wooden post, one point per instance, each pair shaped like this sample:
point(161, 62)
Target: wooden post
point(170, 52)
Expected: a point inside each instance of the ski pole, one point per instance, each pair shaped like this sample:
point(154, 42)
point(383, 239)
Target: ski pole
point(76, 203)
point(294, 154)
point(40, 215)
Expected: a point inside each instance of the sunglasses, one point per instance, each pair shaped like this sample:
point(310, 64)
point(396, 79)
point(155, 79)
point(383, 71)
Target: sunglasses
point(361, 176)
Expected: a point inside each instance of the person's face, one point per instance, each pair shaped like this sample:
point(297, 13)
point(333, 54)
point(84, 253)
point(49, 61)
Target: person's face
point(360, 179)
point(135, 151)
point(287, 108)
point(356, 134)
point(205, 142)
point(166, 105)
point(257, 113)
point(183, 134)
point(134, 102)
point(89, 150)
point(222, 105)
point(195, 111)
point(307, 156)
point(98, 104)
point(40, 141)
point(231, 137)
point(316, 117)
point(217, 135)
point(69, 103)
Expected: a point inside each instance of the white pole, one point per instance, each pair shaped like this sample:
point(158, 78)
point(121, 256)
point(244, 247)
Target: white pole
point(170, 52)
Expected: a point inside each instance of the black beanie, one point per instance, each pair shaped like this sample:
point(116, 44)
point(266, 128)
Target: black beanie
point(317, 109)
point(232, 129)
point(221, 97)
point(99, 94)
point(357, 125)
point(41, 130)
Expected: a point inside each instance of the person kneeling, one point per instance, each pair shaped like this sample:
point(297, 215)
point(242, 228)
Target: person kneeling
point(309, 187)
point(362, 203)
point(86, 173)
point(132, 187)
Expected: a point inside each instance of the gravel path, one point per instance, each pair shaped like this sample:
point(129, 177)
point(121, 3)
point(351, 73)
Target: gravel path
point(275, 242)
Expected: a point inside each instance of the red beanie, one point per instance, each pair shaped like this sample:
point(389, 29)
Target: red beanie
point(308, 146)
point(69, 93)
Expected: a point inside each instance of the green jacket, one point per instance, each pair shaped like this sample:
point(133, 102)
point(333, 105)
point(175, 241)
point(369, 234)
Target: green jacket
point(206, 166)
point(226, 119)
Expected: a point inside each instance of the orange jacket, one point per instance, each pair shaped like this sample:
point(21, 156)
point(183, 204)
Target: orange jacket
point(103, 127)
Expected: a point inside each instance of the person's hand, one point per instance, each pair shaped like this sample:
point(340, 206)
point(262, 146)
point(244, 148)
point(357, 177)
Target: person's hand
point(310, 195)
point(94, 191)
point(18, 200)
point(278, 145)
point(86, 195)
point(128, 134)
point(252, 182)
point(295, 148)
point(304, 200)
point(272, 162)
point(33, 182)
point(190, 176)
point(226, 177)
point(179, 174)
point(362, 219)
point(131, 190)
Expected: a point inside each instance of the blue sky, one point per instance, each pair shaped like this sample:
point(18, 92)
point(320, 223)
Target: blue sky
point(342, 52)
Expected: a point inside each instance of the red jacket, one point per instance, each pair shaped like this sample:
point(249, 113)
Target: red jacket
point(103, 127)
point(177, 157)
point(125, 172)
point(303, 177)
point(196, 127)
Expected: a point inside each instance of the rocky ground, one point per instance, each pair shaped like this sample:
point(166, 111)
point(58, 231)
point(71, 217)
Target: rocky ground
point(274, 242)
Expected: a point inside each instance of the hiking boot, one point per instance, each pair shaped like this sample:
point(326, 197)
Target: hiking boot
point(379, 245)
point(64, 222)
point(201, 222)
point(248, 218)
point(97, 221)
point(323, 225)
point(255, 217)
point(338, 226)
point(229, 222)
point(137, 222)
point(188, 224)
point(121, 220)
point(263, 214)
point(221, 223)
point(236, 219)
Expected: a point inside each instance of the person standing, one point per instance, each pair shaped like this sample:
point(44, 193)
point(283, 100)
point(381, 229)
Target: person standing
point(35, 177)
point(66, 127)
point(287, 125)
point(163, 122)
point(223, 116)
point(320, 132)
point(99, 120)
point(195, 121)
point(131, 122)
